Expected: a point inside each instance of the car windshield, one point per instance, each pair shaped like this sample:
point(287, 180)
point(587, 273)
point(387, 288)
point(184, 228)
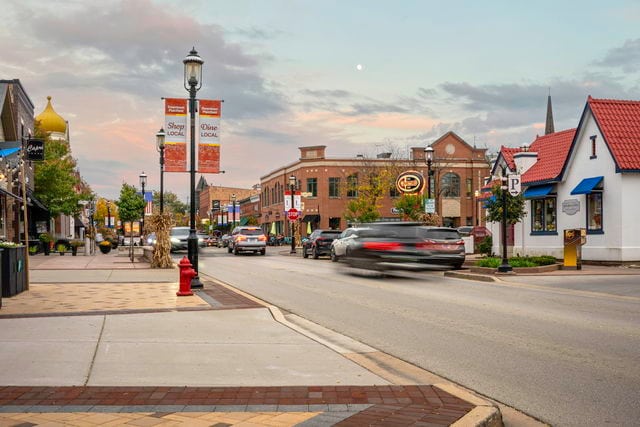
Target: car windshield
point(179, 231)
point(332, 234)
point(251, 231)
point(389, 231)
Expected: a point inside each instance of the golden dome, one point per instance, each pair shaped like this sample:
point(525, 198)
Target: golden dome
point(50, 121)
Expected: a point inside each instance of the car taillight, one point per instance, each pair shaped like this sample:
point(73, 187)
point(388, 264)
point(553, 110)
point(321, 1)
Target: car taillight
point(427, 243)
point(381, 246)
point(460, 242)
point(239, 238)
point(262, 238)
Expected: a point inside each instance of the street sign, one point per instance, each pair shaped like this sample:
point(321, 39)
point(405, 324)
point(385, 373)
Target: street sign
point(514, 184)
point(292, 214)
point(430, 205)
point(396, 211)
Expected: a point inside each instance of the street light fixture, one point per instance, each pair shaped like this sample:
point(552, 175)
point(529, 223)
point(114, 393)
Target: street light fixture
point(476, 208)
point(292, 187)
point(160, 147)
point(143, 183)
point(193, 83)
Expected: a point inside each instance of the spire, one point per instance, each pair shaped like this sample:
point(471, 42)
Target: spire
point(548, 128)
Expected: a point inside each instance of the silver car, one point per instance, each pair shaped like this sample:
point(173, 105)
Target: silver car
point(247, 239)
point(340, 246)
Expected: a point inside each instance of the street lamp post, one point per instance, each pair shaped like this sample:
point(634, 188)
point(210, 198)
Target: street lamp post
point(108, 214)
point(292, 187)
point(428, 155)
point(143, 183)
point(160, 147)
point(193, 83)
point(476, 208)
point(504, 267)
point(233, 212)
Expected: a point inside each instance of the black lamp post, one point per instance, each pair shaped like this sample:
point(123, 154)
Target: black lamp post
point(233, 207)
point(428, 155)
point(160, 147)
point(143, 183)
point(193, 83)
point(476, 208)
point(108, 214)
point(292, 187)
point(504, 267)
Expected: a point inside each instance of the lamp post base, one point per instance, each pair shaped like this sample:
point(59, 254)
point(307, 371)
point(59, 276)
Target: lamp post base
point(505, 268)
point(196, 283)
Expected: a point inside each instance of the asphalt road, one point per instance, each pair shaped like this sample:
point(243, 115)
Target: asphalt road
point(563, 355)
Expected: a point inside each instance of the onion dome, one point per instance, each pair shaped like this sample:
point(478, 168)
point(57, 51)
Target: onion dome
point(50, 121)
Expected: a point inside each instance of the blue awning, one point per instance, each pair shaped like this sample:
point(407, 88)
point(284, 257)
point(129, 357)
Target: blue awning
point(4, 152)
point(538, 191)
point(587, 185)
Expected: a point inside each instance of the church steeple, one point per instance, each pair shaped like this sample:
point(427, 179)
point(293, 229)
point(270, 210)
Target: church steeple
point(548, 127)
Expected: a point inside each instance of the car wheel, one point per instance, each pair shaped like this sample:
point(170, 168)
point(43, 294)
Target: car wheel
point(334, 257)
point(457, 267)
point(235, 250)
point(263, 252)
point(304, 252)
point(229, 249)
point(315, 253)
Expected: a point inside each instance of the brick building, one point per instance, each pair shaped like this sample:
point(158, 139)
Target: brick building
point(243, 199)
point(458, 172)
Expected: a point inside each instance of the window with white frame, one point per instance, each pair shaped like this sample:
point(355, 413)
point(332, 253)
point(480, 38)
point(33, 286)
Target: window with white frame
point(543, 215)
point(594, 212)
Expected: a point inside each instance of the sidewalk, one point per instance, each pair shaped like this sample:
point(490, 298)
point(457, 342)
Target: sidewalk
point(98, 340)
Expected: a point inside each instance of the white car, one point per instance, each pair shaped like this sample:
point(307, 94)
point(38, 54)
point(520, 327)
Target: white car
point(340, 246)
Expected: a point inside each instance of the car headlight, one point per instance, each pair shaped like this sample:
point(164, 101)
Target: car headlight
point(175, 240)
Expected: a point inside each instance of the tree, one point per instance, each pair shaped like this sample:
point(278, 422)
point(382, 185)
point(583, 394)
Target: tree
point(130, 207)
point(515, 206)
point(411, 206)
point(170, 202)
point(56, 178)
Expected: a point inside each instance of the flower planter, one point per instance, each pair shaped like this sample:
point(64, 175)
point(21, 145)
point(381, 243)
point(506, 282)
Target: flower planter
point(105, 249)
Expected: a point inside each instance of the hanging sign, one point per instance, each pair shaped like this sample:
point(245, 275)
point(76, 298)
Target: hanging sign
point(209, 146)
point(175, 143)
point(514, 184)
point(35, 149)
point(410, 182)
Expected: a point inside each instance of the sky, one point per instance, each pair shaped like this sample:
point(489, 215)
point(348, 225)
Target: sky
point(359, 76)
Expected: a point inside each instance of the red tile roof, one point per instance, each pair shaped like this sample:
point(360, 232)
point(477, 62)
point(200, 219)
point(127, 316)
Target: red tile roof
point(619, 122)
point(552, 150)
point(507, 153)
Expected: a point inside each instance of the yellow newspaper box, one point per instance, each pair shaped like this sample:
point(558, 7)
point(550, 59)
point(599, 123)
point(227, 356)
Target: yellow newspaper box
point(574, 238)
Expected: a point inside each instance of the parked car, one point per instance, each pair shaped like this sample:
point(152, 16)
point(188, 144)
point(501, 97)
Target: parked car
point(151, 239)
point(479, 232)
point(247, 239)
point(340, 245)
point(223, 241)
point(202, 240)
point(319, 243)
point(405, 246)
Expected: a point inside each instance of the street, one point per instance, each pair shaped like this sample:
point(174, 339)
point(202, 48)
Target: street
point(566, 356)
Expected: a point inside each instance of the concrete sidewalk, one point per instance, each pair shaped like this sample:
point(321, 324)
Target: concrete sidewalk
point(101, 339)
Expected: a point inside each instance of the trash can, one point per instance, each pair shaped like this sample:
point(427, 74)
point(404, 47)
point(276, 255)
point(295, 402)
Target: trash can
point(12, 270)
point(1, 275)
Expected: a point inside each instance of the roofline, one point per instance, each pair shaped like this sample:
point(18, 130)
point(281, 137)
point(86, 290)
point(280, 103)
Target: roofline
point(17, 81)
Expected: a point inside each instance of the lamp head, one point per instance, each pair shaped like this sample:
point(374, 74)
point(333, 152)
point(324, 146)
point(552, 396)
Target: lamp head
point(428, 153)
point(193, 70)
point(292, 181)
point(143, 179)
point(160, 139)
point(233, 197)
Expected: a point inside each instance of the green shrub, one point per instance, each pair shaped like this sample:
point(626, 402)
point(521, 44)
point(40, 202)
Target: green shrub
point(494, 262)
point(484, 247)
point(490, 262)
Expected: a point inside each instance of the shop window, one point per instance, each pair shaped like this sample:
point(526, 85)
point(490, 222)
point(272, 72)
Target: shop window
point(469, 185)
point(334, 187)
point(543, 218)
point(594, 212)
point(312, 186)
point(393, 192)
point(334, 223)
point(593, 146)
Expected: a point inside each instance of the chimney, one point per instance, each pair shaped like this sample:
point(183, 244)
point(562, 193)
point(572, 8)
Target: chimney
point(417, 153)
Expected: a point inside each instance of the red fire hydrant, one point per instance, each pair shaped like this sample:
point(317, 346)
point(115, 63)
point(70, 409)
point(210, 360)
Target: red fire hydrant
point(186, 274)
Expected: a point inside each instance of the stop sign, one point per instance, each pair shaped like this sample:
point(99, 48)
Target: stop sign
point(292, 214)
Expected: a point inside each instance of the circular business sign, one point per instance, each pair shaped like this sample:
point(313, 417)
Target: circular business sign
point(410, 182)
point(292, 214)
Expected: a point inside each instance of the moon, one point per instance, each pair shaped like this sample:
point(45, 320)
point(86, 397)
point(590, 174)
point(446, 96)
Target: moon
point(359, 67)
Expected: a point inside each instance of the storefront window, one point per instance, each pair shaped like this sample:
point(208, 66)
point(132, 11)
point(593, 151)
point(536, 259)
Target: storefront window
point(594, 211)
point(543, 218)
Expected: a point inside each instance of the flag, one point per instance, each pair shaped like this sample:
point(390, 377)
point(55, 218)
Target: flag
point(148, 207)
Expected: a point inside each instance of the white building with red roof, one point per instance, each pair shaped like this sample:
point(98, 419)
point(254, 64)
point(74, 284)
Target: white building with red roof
point(588, 178)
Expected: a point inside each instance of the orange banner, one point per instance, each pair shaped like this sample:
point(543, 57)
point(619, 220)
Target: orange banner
point(175, 125)
point(209, 146)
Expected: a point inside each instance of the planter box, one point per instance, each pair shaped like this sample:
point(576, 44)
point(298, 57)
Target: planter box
point(520, 270)
point(13, 271)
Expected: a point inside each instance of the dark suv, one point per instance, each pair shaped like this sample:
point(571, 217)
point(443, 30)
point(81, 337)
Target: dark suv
point(319, 243)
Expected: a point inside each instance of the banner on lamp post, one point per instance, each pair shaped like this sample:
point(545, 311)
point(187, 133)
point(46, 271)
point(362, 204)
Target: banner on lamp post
point(209, 146)
point(175, 144)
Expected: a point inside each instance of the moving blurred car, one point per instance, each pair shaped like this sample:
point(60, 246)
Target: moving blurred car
point(340, 245)
point(247, 239)
point(178, 237)
point(319, 243)
point(151, 239)
point(405, 246)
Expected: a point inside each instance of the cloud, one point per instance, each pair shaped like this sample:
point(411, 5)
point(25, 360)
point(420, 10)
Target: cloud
point(626, 57)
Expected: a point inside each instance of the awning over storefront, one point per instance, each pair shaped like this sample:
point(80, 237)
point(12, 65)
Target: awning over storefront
point(8, 193)
point(538, 191)
point(78, 222)
point(587, 185)
point(35, 201)
point(311, 218)
point(4, 152)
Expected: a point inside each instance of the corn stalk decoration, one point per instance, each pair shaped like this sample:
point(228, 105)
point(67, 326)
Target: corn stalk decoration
point(161, 225)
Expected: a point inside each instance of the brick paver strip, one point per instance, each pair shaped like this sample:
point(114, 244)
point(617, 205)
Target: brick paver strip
point(226, 298)
point(374, 405)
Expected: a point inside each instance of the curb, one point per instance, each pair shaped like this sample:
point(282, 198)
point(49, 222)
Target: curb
point(470, 276)
point(485, 413)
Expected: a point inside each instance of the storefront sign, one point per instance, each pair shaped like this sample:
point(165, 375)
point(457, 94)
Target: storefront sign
point(571, 206)
point(35, 149)
point(410, 182)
